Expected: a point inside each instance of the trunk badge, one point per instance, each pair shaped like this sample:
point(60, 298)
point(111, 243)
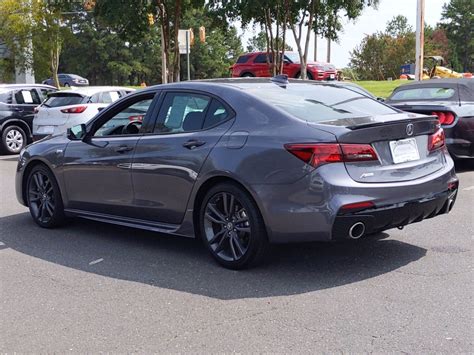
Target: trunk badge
point(410, 129)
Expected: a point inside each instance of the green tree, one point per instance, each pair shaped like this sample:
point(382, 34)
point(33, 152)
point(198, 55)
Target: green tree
point(458, 21)
point(258, 43)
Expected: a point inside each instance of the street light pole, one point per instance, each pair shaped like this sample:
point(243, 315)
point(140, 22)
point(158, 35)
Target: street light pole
point(420, 39)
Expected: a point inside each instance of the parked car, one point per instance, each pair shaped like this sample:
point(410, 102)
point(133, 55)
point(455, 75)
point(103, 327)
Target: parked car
point(244, 162)
point(68, 80)
point(17, 103)
point(64, 109)
point(451, 101)
point(256, 65)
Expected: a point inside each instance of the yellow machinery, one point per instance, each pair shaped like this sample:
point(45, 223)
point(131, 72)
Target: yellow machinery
point(437, 70)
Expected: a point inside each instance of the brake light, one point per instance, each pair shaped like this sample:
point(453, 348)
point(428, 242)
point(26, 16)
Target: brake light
point(317, 154)
point(445, 118)
point(436, 140)
point(77, 109)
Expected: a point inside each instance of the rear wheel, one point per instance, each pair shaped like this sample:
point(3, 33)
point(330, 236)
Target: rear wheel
point(66, 85)
point(232, 228)
point(13, 139)
point(44, 198)
point(247, 75)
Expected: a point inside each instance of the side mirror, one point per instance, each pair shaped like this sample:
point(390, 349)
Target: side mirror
point(100, 108)
point(381, 99)
point(76, 132)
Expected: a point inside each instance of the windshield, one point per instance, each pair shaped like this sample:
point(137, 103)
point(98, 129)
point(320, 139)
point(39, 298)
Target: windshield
point(63, 100)
point(317, 103)
point(293, 57)
point(423, 93)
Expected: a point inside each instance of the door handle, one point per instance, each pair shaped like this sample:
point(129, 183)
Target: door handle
point(193, 144)
point(123, 149)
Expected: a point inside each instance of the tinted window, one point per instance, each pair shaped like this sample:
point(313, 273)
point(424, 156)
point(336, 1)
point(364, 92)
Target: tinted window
point(262, 58)
point(63, 100)
point(182, 113)
point(243, 59)
point(216, 114)
point(26, 96)
point(316, 103)
point(135, 112)
point(438, 93)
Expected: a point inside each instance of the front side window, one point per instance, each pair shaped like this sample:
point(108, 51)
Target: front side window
point(262, 58)
point(127, 121)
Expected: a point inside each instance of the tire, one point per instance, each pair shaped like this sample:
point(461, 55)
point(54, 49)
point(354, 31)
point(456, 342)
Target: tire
point(66, 85)
point(13, 139)
point(232, 227)
point(247, 75)
point(44, 198)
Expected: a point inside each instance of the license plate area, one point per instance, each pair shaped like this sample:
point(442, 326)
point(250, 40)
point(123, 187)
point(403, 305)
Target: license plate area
point(404, 150)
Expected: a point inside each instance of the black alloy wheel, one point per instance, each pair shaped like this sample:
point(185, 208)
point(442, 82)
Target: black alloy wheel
point(44, 198)
point(232, 228)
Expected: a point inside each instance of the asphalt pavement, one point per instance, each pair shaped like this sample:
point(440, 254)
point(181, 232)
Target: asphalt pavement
point(90, 287)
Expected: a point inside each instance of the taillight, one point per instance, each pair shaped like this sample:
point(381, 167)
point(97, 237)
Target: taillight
point(436, 140)
point(317, 154)
point(445, 118)
point(358, 206)
point(77, 109)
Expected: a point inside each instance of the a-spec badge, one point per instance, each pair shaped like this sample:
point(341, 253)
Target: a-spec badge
point(410, 129)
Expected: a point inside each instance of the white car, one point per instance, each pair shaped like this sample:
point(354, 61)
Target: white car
point(64, 109)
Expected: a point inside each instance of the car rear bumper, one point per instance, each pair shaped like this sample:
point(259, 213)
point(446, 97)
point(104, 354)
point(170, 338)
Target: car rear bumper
point(397, 215)
point(309, 209)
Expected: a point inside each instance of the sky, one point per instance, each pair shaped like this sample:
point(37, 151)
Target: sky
point(369, 22)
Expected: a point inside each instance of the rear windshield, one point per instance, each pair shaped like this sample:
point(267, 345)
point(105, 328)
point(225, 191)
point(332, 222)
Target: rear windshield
point(436, 93)
point(318, 103)
point(63, 100)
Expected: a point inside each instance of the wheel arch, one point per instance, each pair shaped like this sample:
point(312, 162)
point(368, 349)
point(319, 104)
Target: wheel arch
point(206, 185)
point(22, 124)
point(26, 172)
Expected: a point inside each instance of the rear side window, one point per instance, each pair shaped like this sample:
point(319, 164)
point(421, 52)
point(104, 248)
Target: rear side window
point(262, 58)
point(243, 59)
point(63, 100)
point(436, 93)
point(318, 103)
point(110, 96)
point(27, 97)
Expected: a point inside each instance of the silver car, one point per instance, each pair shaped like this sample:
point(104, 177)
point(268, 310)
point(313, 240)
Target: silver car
point(241, 163)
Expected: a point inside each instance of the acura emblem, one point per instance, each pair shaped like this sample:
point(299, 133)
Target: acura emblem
point(410, 129)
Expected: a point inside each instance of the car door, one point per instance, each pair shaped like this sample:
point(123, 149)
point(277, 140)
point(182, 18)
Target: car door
point(261, 66)
point(97, 169)
point(167, 162)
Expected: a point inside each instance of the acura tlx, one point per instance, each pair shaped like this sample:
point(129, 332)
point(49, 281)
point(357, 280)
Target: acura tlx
point(241, 163)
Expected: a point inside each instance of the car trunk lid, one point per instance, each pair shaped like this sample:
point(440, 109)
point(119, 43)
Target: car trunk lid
point(400, 141)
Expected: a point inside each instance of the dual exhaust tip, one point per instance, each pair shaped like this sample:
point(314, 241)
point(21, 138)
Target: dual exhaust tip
point(357, 230)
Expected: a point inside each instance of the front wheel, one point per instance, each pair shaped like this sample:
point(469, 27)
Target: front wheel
point(44, 198)
point(232, 228)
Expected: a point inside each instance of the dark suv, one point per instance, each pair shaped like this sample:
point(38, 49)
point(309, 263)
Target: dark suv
point(68, 80)
point(17, 105)
point(257, 64)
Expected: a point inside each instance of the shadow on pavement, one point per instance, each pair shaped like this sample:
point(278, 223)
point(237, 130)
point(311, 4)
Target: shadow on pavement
point(183, 264)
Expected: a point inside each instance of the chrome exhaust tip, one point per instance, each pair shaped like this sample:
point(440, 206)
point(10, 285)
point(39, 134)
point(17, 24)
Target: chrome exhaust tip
point(357, 230)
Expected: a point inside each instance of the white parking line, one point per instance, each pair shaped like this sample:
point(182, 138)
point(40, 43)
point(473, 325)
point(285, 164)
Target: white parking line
point(468, 188)
point(96, 261)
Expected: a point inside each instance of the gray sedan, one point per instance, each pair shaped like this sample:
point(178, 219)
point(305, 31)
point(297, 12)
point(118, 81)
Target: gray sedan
point(241, 163)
